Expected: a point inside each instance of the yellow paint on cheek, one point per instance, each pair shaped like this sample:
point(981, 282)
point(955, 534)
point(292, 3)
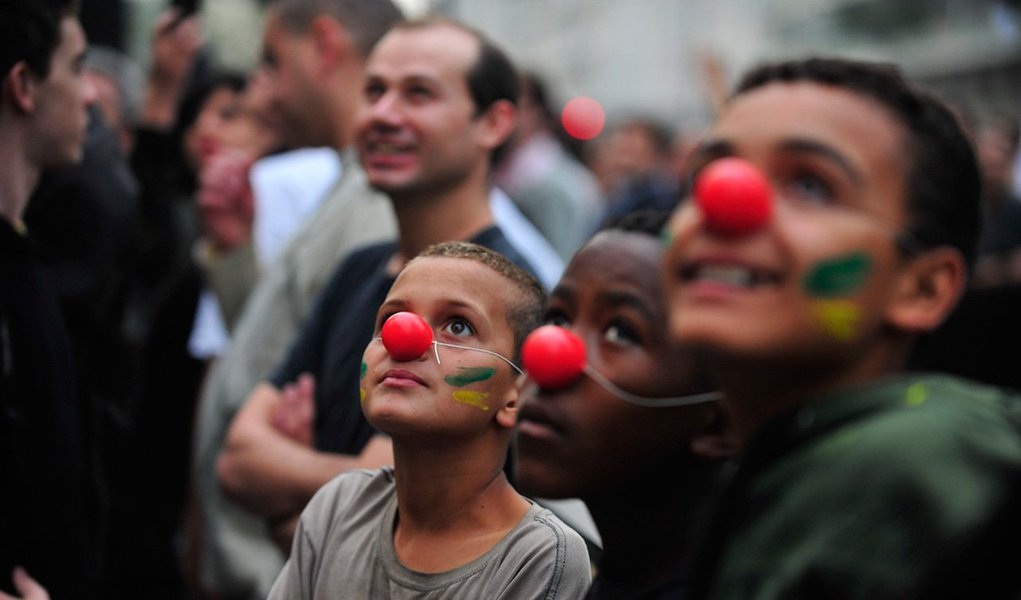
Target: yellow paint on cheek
point(840, 318)
point(476, 399)
point(361, 395)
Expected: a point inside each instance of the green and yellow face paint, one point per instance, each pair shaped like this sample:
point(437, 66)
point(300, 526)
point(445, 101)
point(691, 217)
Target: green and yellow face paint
point(838, 277)
point(468, 376)
point(829, 283)
point(361, 382)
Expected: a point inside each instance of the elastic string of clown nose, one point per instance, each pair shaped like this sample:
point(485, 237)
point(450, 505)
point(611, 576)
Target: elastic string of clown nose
point(646, 401)
point(555, 358)
point(482, 350)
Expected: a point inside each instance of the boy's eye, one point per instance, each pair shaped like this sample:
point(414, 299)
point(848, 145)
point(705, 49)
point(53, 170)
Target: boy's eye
point(809, 188)
point(621, 333)
point(459, 328)
point(382, 319)
point(555, 317)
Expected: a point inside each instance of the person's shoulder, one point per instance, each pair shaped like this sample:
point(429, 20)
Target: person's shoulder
point(551, 556)
point(930, 404)
point(350, 493)
point(495, 238)
point(935, 436)
point(361, 263)
point(543, 533)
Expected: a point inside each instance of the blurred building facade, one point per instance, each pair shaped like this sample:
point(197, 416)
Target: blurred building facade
point(668, 59)
point(655, 56)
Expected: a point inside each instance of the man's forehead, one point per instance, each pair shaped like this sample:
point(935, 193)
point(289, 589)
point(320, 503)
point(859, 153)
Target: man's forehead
point(71, 33)
point(431, 50)
point(820, 114)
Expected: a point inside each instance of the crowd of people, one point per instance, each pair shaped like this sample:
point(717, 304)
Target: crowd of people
point(275, 334)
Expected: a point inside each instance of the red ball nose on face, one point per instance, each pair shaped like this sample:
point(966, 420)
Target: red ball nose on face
point(553, 357)
point(734, 196)
point(406, 336)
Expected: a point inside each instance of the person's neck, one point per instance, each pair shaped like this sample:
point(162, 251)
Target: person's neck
point(454, 503)
point(341, 105)
point(651, 549)
point(18, 177)
point(444, 486)
point(757, 391)
point(456, 214)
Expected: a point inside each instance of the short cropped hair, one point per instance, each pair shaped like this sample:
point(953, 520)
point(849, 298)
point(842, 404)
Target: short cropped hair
point(943, 184)
point(492, 77)
point(525, 311)
point(647, 220)
point(364, 20)
point(30, 32)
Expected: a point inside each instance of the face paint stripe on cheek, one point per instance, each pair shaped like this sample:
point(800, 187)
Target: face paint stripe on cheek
point(839, 276)
point(840, 318)
point(666, 236)
point(475, 399)
point(470, 375)
point(361, 378)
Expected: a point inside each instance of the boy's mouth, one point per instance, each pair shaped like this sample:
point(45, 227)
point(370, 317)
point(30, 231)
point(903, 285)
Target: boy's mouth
point(728, 274)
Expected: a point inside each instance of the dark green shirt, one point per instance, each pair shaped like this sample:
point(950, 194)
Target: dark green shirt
point(859, 494)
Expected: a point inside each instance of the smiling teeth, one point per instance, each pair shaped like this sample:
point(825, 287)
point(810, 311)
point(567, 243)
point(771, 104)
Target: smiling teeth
point(730, 275)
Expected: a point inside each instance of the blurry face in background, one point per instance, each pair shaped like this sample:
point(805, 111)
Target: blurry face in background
point(291, 88)
point(205, 136)
point(229, 121)
point(60, 116)
point(995, 151)
point(417, 131)
point(582, 440)
point(628, 151)
point(108, 98)
point(252, 129)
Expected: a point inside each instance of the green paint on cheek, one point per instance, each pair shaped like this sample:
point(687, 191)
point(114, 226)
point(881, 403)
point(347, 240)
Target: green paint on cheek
point(915, 395)
point(364, 369)
point(840, 318)
point(469, 375)
point(476, 399)
point(840, 276)
point(666, 236)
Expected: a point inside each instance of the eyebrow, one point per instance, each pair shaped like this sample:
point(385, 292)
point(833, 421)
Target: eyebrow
point(624, 299)
point(713, 149)
point(562, 292)
point(812, 147)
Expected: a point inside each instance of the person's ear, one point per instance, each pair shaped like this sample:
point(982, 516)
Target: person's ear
point(507, 413)
point(497, 124)
point(928, 290)
point(718, 439)
point(331, 42)
point(20, 86)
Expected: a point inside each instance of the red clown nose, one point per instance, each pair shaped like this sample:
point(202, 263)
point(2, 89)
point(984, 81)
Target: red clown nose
point(553, 357)
point(406, 336)
point(734, 196)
